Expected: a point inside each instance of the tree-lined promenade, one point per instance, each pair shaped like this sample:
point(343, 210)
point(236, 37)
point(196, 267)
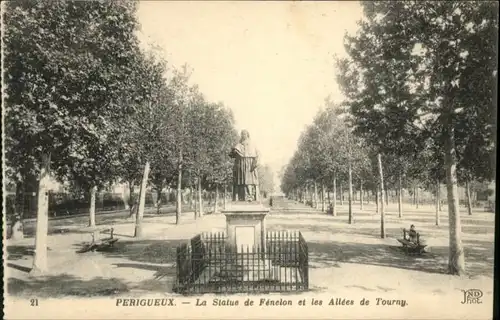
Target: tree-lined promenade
point(86, 105)
point(89, 105)
point(420, 84)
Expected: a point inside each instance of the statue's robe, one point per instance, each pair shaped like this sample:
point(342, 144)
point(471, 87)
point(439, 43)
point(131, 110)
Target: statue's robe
point(245, 170)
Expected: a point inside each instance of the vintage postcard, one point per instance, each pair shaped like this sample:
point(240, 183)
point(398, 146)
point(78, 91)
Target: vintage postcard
point(249, 159)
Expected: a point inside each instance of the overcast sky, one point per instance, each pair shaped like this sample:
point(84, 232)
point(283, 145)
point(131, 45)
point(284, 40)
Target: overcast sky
point(270, 62)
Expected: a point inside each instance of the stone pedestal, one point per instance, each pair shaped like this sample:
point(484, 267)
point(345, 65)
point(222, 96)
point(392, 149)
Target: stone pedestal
point(246, 232)
point(245, 226)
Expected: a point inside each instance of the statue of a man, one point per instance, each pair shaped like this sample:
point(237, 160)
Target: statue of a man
point(245, 178)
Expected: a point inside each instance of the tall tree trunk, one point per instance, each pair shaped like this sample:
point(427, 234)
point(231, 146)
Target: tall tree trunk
point(320, 200)
point(304, 195)
point(124, 199)
point(131, 199)
point(438, 201)
point(400, 197)
point(377, 202)
point(42, 219)
point(158, 201)
point(20, 196)
point(417, 200)
point(308, 194)
point(191, 197)
point(93, 191)
point(328, 196)
point(361, 195)
point(142, 202)
point(341, 194)
point(200, 198)
point(350, 193)
point(195, 201)
point(17, 225)
point(178, 198)
point(322, 197)
point(225, 196)
point(316, 203)
point(334, 195)
point(381, 183)
point(456, 262)
point(216, 206)
point(469, 202)
point(414, 196)
point(168, 194)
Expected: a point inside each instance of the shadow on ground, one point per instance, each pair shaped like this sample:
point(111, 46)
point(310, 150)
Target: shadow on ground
point(479, 257)
point(65, 285)
point(159, 256)
point(332, 253)
point(19, 267)
point(53, 230)
point(478, 254)
point(161, 271)
point(395, 232)
point(68, 285)
point(148, 251)
point(18, 252)
point(152, 255)
point(102, 218)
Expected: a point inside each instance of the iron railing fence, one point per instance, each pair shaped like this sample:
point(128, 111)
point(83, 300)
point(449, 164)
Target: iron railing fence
point(208, 265)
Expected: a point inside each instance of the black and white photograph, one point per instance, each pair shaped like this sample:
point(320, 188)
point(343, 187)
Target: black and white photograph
point(249, 159)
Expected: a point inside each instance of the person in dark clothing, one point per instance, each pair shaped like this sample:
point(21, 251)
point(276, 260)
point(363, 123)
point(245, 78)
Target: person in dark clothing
point(412, 234)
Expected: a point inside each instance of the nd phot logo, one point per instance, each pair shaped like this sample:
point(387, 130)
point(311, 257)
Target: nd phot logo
point(472, 296)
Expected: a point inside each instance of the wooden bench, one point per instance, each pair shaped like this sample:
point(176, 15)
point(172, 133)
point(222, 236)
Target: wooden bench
point(99, 244)
point(410, 247)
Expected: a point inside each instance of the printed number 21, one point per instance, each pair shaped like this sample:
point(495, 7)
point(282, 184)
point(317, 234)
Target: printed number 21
point(34, 302)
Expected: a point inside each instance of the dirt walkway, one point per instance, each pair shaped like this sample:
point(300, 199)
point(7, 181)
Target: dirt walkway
point(343, 258)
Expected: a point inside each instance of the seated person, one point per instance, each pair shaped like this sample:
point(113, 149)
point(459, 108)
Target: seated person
point(412, 234)
point(413, 238)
